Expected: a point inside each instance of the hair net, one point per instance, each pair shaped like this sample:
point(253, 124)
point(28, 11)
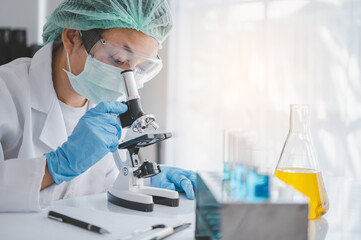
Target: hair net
point(151, 17)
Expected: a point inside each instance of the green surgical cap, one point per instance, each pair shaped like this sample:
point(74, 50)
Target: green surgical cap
point(152, 17)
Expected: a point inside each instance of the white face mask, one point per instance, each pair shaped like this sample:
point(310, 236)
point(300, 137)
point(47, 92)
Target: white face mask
point(98, 81)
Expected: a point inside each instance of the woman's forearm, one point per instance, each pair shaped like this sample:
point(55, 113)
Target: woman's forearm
point(47, 179)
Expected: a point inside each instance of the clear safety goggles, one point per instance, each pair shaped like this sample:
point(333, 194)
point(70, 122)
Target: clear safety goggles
point(145, 67)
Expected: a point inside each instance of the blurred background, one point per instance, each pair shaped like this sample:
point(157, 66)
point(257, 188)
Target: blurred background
point(239, 64)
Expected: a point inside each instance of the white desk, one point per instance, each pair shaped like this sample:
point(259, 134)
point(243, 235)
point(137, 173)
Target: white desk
point(343, 221)
point(97, 210)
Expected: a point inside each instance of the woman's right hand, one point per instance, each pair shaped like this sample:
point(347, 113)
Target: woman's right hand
point(96, 133)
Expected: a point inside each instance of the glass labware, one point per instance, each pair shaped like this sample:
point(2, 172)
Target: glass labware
point(243, 179)
point(298, 164)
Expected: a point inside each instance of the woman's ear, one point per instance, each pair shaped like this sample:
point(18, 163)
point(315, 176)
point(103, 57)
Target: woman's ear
point(71, 39)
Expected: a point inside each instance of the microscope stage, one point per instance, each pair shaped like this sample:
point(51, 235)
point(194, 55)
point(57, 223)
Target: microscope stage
point(144, 140)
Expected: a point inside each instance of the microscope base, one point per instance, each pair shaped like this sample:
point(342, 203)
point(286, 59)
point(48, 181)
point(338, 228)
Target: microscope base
point(166, 201)
point(143, 199)
point(144, 207)
point(161, 196)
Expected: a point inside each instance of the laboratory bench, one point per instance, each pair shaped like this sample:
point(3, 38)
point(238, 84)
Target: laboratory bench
point(343, 220)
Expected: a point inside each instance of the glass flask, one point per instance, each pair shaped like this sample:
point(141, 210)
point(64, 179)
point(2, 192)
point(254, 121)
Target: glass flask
point(298, 165)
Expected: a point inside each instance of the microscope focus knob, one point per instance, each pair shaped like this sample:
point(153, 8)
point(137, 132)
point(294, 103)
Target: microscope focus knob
point(147, 169)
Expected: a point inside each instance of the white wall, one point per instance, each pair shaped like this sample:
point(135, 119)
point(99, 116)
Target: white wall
point(240, 64)
point(28, 14)
point(20, 14)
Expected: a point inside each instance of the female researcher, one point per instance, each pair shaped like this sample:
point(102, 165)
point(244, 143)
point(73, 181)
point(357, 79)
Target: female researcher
point(58, 109)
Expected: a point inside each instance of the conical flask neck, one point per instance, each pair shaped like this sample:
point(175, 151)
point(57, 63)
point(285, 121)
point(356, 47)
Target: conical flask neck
point(300, 118)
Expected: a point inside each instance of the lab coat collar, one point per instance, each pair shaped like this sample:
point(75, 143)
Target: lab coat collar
point(44, 98)
point(40, 75)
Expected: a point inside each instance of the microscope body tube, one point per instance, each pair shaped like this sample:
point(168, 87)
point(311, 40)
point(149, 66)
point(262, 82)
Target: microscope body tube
point(135, 110)
point(130, 85)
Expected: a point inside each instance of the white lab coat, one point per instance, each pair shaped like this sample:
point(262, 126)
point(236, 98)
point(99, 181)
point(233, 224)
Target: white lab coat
point(31, 124)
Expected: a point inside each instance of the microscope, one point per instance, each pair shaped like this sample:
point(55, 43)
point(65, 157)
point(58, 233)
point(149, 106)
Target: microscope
point(128, 189)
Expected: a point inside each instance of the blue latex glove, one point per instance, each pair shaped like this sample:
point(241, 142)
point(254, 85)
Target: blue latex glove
point(96, 133)
point(175, 179)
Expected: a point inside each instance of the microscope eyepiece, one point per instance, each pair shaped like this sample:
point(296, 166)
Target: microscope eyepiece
point(135, 118)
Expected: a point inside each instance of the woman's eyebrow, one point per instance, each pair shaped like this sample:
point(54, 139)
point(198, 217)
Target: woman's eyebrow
point(127, 48)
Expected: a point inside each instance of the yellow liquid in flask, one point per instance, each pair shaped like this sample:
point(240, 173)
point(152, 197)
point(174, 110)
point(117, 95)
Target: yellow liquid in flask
point(310, 183)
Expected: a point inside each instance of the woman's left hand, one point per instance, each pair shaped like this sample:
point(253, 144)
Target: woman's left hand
point(176, 179)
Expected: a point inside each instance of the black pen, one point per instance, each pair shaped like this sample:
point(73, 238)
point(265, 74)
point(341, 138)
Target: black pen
point(66, 219)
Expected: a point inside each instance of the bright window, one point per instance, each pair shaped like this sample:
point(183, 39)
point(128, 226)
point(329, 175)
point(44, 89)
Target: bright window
point(240, 64)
